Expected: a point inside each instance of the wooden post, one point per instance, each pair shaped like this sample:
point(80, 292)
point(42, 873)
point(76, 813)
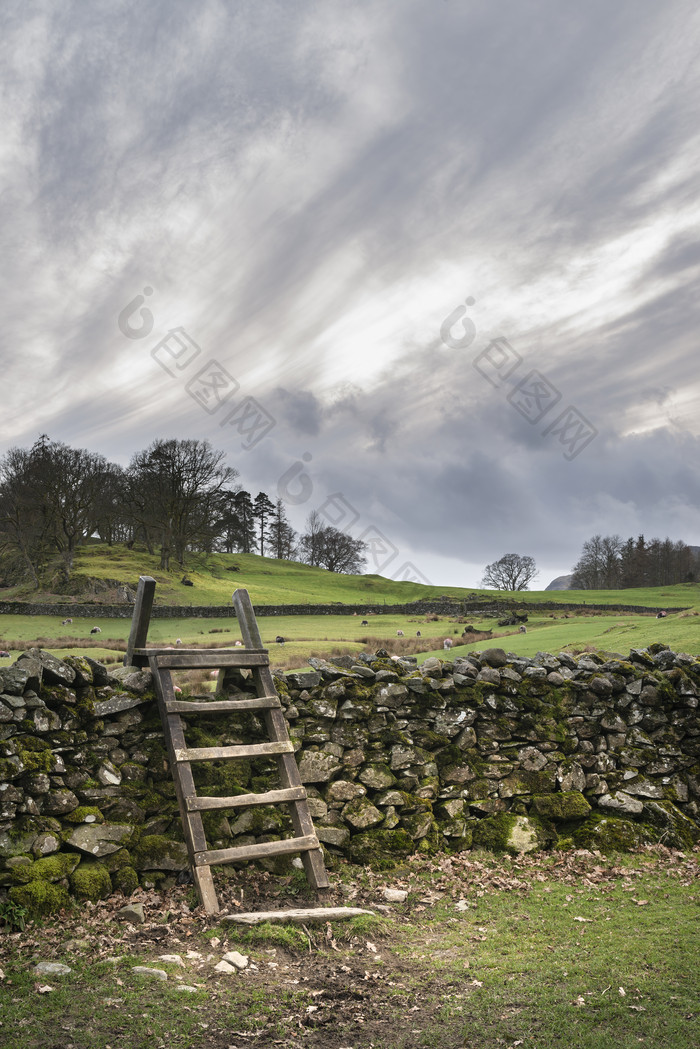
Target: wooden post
point(141, 617)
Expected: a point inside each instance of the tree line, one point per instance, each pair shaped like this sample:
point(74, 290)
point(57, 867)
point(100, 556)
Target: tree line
point(608, 562)
point(176, 497)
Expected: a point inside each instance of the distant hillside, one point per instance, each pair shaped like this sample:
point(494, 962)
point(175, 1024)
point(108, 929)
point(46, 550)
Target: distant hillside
point(562, 582)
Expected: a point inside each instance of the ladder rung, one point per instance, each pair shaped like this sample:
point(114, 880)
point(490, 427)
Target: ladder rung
point(253, 852)
point(248, 750)
point(212, 659)
point(222, 706)
point(270, 797)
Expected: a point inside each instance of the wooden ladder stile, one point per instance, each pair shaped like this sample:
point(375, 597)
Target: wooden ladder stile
point(266, 701)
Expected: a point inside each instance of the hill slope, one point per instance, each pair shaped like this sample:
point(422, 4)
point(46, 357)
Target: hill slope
point(215, 576)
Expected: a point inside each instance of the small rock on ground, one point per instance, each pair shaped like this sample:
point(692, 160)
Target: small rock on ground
point(146, 970)
point(395, 895)
point(52, 968)
point(133, 912)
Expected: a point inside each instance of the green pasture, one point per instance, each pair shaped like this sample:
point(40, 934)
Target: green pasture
point(329, 635)
point(617, 633)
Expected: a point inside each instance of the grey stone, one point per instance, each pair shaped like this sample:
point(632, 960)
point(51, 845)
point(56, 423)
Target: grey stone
point(116, 704)
point(99, 839)
point(54, 671)
point(344, 790)
point(132, 912)
point(58, 802)
point(318, 767)
point(619, 801)
point(52, 969)
point(494, 657)
point(332, 835)
point(133, 678)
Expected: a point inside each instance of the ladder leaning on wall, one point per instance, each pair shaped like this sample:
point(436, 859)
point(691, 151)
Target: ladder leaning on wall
point(253, 657)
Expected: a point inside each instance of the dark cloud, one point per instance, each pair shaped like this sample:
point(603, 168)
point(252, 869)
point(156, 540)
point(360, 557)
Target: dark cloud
point(310, 190)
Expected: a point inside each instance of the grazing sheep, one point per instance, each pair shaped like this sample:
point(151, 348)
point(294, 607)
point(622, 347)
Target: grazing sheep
point(522, 629)
point(364, 623)
point(447, 643)
point(418, 633)
point(399, 633)
point(279, 639)
point(96, 630)
point(65, 622)
point(239, 644)
point(660, 615)
point(176, 688)
point(4, 655)
point(178, 640)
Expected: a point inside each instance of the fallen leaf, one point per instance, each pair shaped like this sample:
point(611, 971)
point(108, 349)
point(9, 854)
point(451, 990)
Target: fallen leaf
point(580, 1001)
point(44, 989)
point(583, 919)
point(621, 992)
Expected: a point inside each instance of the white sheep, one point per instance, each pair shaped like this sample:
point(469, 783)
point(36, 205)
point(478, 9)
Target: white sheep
point(447, 643)
point(96, 630)
point(523, 629)
point(399, 633)
point(178, 640)
point(65, 622)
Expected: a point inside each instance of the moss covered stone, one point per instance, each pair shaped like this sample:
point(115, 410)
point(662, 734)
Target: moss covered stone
point(155, 852)
point(125, 880)
point(91, 881)
point(40, 898)
point(506, 832)
point(84, 814)
point(612, 834)
point(675, 829)
point(381, 849)
point(50, 868)
point(569, 805)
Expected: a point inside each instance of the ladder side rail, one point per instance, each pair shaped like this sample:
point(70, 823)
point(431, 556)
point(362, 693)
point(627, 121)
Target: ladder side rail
point(246, 619)
point(192, 824)
point(141, 617)
point(288, 771)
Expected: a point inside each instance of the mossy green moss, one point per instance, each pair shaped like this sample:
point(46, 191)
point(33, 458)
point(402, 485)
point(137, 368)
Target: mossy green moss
point(40, 898)
point(91, 881)
point(612, 834)
point(125, 880)
point(512, 833)
point(79, 815)
point(36, 760)
point(381, 849)
point(49, 868)
point(568, 805)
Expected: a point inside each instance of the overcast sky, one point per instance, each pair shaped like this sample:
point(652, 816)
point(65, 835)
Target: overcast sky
point(427, 267)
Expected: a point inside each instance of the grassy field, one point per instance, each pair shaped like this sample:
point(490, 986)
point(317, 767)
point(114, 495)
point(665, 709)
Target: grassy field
point(270, 581)
point(331, 635)
point(545, 952)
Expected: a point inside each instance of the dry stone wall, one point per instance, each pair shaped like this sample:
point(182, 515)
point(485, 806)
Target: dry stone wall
point(491, 751)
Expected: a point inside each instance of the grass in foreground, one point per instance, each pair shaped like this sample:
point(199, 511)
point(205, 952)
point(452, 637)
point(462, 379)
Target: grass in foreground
point(553, 951)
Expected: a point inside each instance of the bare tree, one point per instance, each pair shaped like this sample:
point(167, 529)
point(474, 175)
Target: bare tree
point(177, 495)
point(49, 499)
point(331, 549)
point(511, 572)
